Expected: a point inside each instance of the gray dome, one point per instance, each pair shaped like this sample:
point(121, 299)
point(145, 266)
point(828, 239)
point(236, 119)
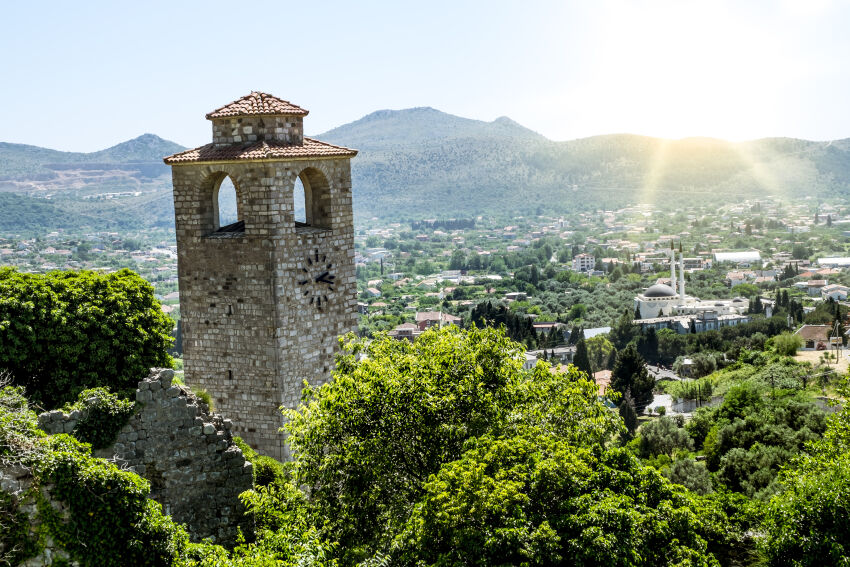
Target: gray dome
point(659, 290)
point(738, 300)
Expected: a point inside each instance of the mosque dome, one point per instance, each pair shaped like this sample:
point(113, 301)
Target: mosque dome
point(738, 300)
point(659, 290)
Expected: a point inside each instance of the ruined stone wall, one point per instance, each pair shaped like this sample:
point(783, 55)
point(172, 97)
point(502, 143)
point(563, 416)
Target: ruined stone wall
point(187, 454)
point(251, 334)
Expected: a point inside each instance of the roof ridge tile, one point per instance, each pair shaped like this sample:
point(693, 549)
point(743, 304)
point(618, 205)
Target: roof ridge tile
point(257, 103)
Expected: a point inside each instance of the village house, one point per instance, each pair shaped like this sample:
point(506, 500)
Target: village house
point(428, 319)
point(815, 337)
point(584, 263)
point(405, 332)
point(836, 292)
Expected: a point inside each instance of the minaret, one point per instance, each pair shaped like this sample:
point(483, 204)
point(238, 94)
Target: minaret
point(672, 267)
point(682, 278)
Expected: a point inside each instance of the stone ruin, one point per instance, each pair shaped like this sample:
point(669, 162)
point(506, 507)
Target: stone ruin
point(187, 454)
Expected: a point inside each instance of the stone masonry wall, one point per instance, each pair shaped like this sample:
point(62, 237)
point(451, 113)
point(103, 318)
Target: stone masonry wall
point(251, 334)
point(249, 129)
point(187, 454)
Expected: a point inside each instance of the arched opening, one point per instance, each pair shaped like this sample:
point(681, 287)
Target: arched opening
point(316, 199)
point(300, 200)
point(226, 209)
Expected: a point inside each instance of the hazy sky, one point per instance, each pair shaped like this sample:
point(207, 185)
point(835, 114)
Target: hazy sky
point(85, 75)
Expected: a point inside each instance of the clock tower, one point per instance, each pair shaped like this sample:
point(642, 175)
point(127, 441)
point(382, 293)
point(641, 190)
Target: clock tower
point(263, 299)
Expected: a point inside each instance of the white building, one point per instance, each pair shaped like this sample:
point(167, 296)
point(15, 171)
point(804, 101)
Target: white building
point(584, 263)
point(661, 300)
point(748, 257)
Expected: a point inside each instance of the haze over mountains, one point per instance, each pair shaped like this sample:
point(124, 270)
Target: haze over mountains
point(421, 162)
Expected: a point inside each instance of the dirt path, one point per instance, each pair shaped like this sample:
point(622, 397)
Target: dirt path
point(813, 356)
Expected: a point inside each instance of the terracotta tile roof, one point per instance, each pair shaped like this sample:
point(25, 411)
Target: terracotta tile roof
point(814, 332)
point(260, 150)
point(257, 103)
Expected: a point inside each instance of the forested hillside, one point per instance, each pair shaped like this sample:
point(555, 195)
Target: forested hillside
point(421, 157)
point(423, 163)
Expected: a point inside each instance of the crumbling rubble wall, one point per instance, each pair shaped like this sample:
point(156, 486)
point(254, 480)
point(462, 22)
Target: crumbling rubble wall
point(187, 454)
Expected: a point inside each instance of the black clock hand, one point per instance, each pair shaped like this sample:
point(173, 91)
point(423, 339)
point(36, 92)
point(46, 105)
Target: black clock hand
point(321, 277)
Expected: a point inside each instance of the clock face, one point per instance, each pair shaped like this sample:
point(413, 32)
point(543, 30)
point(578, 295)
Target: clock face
point(316, 280)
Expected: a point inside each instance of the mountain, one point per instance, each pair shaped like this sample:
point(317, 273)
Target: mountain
point(422, 162)
point(123, 187)
point(20, 162)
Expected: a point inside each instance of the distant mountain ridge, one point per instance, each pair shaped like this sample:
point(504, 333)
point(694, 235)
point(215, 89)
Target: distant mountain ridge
point(421, 162)
point(19, 161)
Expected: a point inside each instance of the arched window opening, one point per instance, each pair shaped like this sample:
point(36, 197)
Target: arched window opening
point(300, 200)
point(226, 211)
point(312, 196)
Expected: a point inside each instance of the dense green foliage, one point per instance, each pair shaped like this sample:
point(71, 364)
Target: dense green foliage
point(752, 436)
point(630, 374)
point(109, 520)
point(787, 344)
point(103, 414)
point(63, 332)
point(662, 437)
point(444, 452)
point(807, 523)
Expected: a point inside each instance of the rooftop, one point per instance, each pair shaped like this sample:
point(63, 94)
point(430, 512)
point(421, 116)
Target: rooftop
point(258, 104)
point(260, 150)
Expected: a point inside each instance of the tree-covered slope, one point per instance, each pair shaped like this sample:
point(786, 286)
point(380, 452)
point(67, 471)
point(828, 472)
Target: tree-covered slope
point(422, 162)
point(22, 162)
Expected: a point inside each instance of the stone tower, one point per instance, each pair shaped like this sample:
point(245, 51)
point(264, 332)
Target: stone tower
point(263, 299)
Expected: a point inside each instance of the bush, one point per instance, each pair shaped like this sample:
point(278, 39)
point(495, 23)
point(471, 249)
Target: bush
point(787, 344)
point(806, 524)
point(267, 471)
point(103, 415)
point(690, 474)
point(662, 437)
point(108, 518)
point(63, 332)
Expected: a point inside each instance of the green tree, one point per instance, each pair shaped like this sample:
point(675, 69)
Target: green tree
point(63, 332)
point(628, 413)
point(662, 437)
point(806, 524)
point(409, 409)
point(458, 260)
point(787, 344)
point(630, 373)
point(534, 500)
point(690, 474)
point(599, 350)
point(581, 360)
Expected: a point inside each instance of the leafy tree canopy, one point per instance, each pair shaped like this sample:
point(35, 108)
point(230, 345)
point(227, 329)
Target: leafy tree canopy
point(63, 332)
point(444, 451)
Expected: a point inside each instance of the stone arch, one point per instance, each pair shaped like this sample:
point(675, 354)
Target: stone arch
point(226, 209)
point(317, 197)
point(218, 185)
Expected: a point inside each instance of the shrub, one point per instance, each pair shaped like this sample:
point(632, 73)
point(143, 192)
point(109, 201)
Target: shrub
point(662, 436)
point(63, 332)
point(690, 474)
point(103, 415)
point(108, 519)
point(787, 344)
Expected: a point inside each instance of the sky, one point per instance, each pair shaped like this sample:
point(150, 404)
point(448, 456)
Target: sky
point(83, 76)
